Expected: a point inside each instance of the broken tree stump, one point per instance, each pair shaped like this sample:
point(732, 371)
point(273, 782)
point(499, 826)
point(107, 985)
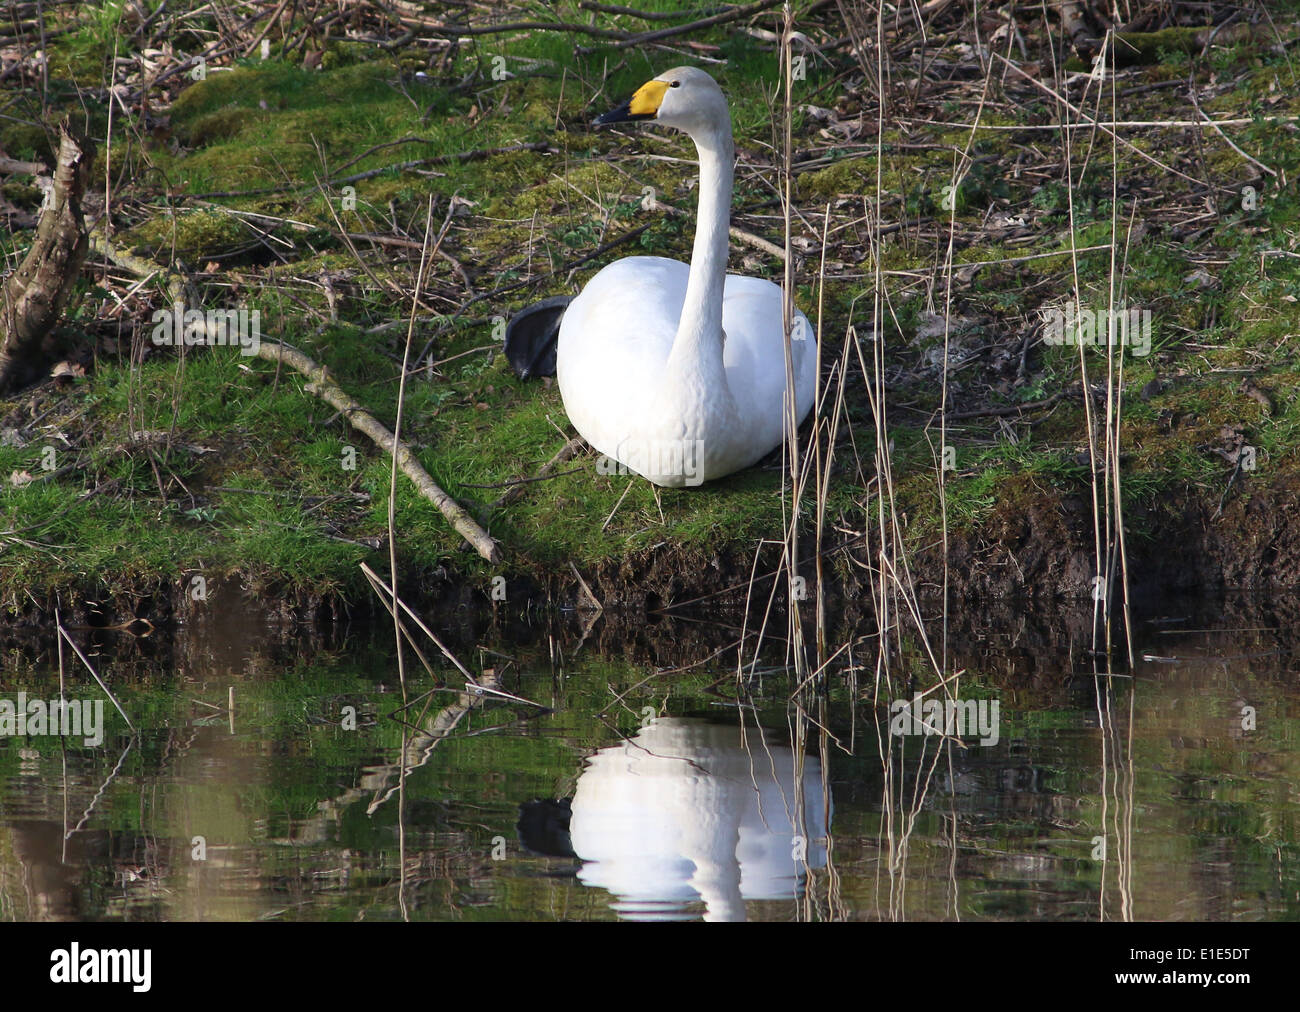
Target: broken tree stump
point(35, 295)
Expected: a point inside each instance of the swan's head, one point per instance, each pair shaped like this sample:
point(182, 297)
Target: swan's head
point(685, 98)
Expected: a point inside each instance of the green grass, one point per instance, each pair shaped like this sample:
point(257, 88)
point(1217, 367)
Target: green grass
point(272, 124)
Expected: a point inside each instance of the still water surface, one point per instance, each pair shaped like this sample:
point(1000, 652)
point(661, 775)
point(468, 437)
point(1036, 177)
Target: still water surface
point(617, 769)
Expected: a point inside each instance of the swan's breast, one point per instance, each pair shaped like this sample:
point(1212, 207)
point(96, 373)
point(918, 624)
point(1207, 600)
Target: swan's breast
point(628, 401)
point(614, 342)
point(754, 357)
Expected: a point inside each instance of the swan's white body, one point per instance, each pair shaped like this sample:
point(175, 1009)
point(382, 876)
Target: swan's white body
point(686, 811)
point(679, 373)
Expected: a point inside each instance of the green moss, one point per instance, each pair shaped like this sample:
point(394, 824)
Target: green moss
point(1149, 47)
point(217, 126)
point(26, 141)
point(22, 195)
point(850, 175)
point(192, 234)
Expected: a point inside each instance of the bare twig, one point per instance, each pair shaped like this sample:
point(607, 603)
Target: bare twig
point(734, 14)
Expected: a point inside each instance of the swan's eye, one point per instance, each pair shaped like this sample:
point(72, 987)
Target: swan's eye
point(676, 84)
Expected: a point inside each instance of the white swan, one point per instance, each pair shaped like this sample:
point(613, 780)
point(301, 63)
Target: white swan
point(690, 811)
point(676, 372)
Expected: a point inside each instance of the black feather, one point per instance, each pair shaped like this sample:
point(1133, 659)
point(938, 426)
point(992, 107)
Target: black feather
point(532, 335)
point(543, 827)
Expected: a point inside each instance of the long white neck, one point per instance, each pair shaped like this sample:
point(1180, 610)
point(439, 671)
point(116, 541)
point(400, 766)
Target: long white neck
point(699, 332)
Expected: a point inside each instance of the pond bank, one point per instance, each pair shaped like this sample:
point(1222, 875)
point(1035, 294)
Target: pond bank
point(1031, 549)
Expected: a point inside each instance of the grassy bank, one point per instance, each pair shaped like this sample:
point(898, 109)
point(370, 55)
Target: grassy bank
point(149, 464)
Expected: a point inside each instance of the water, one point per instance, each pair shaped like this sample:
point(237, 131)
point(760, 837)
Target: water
point(613, 769)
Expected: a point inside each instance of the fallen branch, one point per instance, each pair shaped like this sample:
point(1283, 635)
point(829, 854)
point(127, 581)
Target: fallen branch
point(324, 387)
point(456, 31)
point(139, 266)
point(588, 5)
point(366, 423)
point(9, 165)
point(733, 14)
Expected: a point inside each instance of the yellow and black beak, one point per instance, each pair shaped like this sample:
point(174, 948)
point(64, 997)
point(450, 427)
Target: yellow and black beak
point(644, 104)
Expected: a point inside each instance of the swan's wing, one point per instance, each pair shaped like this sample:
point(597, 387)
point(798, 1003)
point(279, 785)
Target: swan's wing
point(628, 313)
point(755, 355)
point(614, 340)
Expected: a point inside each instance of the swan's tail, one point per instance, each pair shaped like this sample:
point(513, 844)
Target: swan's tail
point(531, 337)
point(543, 827)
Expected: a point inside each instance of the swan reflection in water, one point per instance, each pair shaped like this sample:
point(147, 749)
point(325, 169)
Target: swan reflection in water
point(687, 811)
